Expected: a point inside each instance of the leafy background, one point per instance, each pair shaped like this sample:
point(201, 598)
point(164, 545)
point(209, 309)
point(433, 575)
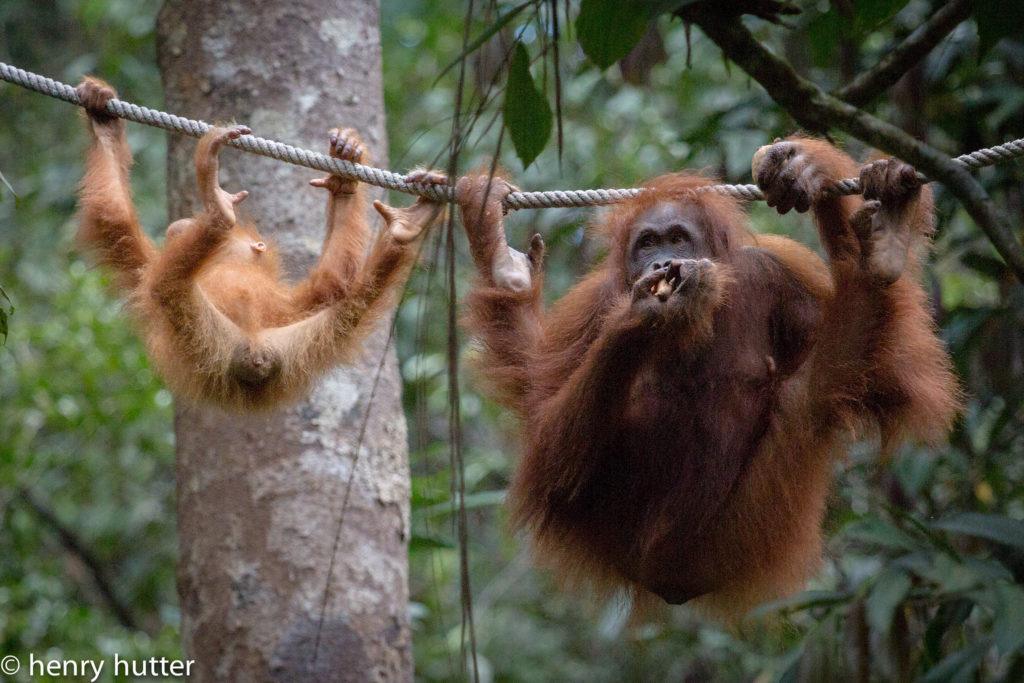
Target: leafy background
point(924, 576)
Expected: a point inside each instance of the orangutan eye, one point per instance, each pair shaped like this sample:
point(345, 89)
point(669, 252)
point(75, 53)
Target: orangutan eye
point(647, 239)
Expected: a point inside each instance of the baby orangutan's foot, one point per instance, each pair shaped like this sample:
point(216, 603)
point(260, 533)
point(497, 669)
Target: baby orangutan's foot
point(216, 200)
point(884, 242)
point(410, 223)
point(891, 187)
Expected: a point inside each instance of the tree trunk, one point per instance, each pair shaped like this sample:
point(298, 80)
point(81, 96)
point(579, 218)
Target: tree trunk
point(259, 496)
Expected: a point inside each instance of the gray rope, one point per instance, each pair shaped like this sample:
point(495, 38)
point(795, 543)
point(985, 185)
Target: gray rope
point(394, 181)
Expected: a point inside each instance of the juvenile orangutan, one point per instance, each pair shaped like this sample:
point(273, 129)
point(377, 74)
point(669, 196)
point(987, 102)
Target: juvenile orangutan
point(220, 323)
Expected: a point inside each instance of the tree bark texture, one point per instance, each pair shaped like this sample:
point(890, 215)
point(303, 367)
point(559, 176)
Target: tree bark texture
point(259, 496)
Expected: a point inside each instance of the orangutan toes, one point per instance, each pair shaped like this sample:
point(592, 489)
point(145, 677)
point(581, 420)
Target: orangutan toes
point(424, 176)
point(235, 132)
point(890, 186)
point(884, 240)
point(407, 224)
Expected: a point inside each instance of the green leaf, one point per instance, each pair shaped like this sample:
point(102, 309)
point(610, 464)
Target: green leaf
point(429, 542)
point(929, 534)
point(790, 665)
point(800, 602)
point(984, 264)
point(956, 577)
point(527, 112)
point(608, 29)
point(959, 666)
point(889, 590)
point(948, 615)
point(991, 527)
point(1008, 628)
point(822, 31)
point(996, 20)
point(870, 14)
point(656, 8)
point(481, 499)
point(874, 531)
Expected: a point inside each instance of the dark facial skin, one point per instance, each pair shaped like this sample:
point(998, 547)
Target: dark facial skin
point(664, 232)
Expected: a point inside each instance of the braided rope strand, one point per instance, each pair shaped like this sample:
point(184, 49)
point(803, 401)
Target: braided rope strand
point(393, 181)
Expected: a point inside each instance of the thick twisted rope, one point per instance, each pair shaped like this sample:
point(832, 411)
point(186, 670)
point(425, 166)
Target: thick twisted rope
point(394, 181)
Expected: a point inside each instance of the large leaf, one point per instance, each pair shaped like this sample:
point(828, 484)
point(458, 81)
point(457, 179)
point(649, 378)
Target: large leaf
point(527, 112)
point(948, 615)
point(956, 577)
point(992, 527)
point(824, 29)
point(985, 264)
point(996, 20)
point(874, 531)
point(1009, 622)
point(822, 32)
point(870, 14)
point(890, 589)
point(608, 29)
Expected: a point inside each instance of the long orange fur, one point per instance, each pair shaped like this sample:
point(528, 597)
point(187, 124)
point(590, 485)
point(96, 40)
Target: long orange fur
point(220, 323)
point(672, 515)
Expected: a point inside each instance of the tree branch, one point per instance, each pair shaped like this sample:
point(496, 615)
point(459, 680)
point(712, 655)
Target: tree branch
point(74, 545)
point(816, 110)
point(871, 83)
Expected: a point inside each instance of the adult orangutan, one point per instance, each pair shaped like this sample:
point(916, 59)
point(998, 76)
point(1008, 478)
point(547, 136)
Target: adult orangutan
point(683, 405)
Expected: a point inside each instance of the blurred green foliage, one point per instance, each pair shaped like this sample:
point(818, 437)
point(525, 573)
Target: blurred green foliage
point(924, 578)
